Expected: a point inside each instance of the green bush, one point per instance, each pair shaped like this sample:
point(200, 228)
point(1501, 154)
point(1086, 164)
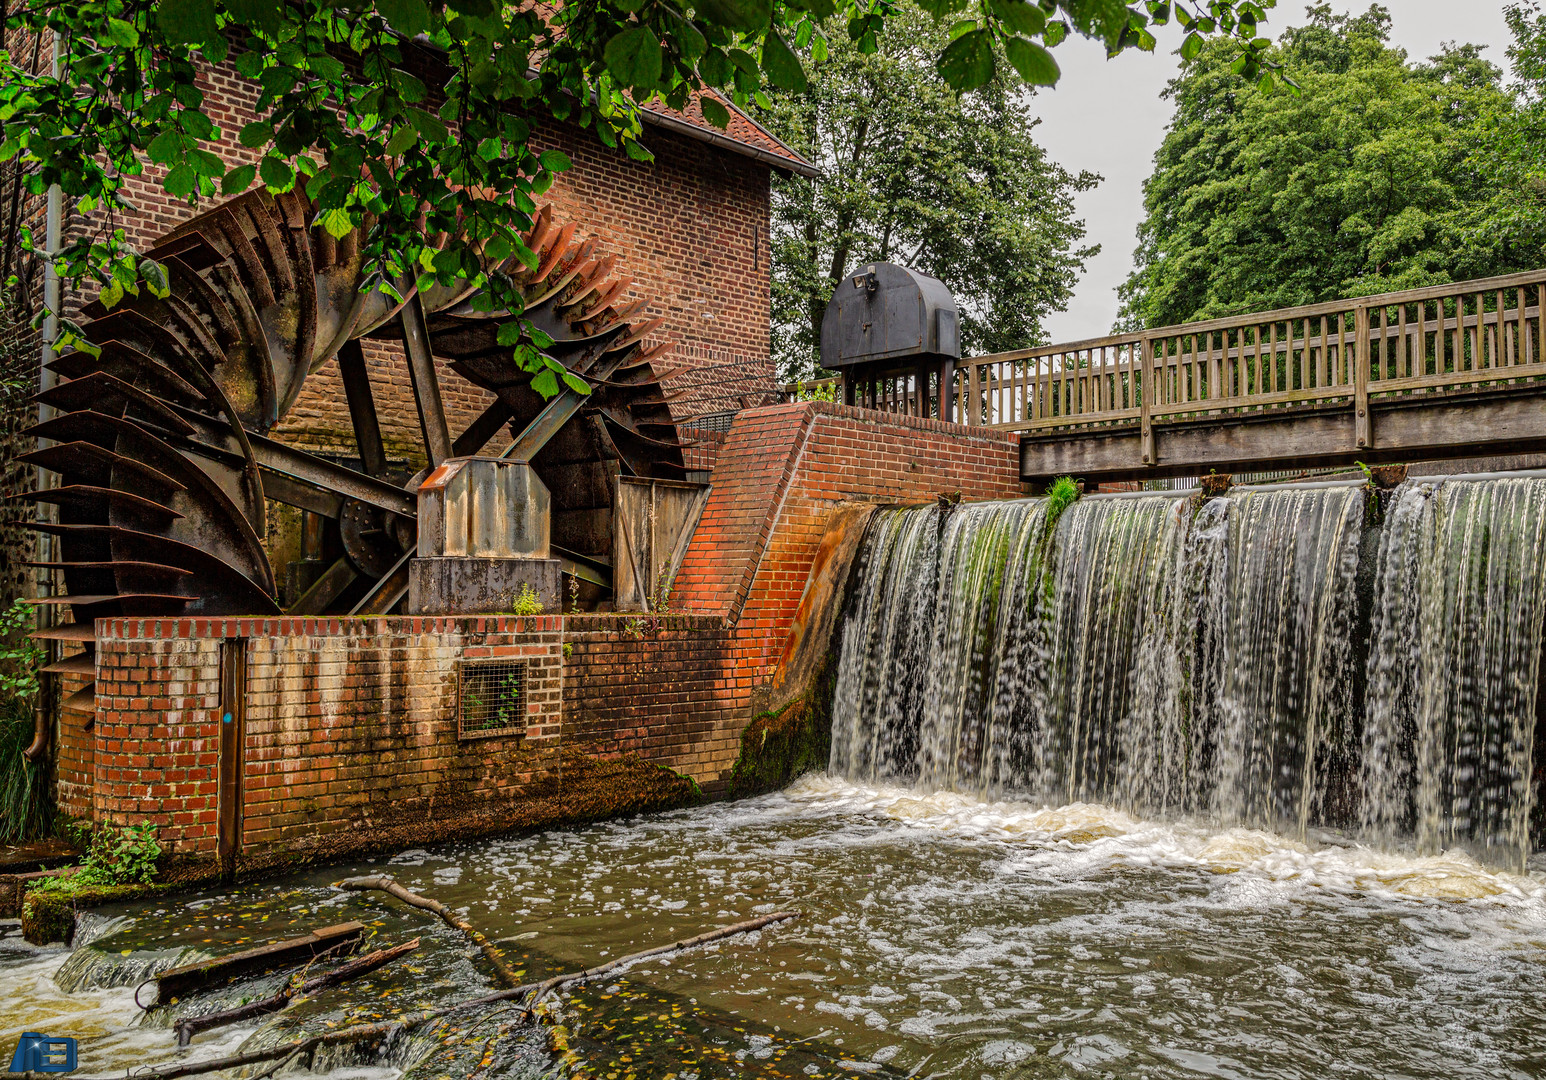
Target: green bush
point(118, 855)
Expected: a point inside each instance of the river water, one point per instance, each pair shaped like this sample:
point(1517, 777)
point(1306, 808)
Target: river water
point(942, 935)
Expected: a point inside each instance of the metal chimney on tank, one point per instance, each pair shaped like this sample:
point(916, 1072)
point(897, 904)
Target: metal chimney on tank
point(891, 332)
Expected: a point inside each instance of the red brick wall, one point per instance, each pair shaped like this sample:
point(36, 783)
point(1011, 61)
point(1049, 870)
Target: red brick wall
point(352, 721)
point(347, 720)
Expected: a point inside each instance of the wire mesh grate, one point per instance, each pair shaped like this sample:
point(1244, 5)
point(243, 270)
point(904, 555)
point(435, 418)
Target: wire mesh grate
point(491, 697)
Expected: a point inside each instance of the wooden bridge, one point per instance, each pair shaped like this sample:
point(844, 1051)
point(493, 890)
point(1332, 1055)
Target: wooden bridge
point(1449, 371)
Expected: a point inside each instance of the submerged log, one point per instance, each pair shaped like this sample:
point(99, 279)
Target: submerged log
point(207, 974)
point(386, 1028)
point(189, 1026)
point(392, 888)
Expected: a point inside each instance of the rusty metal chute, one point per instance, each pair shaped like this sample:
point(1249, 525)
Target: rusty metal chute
point(162, 440)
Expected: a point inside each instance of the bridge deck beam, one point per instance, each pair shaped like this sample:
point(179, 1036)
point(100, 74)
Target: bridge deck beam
point(1430, 427)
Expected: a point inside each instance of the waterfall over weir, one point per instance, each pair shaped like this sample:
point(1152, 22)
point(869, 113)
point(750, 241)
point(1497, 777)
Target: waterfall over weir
point(1281, 657)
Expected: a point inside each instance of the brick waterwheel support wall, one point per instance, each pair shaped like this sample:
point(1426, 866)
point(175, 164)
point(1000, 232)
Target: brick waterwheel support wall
point(349, 725)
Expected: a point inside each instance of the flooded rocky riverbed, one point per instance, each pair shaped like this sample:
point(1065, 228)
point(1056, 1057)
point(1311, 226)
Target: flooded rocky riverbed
point(942, 936)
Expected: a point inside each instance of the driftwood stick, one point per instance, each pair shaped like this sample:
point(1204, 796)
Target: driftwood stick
point(544, 988)
point(424, 903)
point(189, 1026)
point(362, 1032)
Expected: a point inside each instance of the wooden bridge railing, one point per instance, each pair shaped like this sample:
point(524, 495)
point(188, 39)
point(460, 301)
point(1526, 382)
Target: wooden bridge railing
point(1470, 334)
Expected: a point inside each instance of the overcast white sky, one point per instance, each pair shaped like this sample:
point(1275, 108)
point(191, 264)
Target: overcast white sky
point(1108, 117)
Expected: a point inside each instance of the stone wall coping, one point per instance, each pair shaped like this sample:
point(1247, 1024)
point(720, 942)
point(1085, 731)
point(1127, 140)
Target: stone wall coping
point(876, 418)
point(322, 625)
point(625, 622)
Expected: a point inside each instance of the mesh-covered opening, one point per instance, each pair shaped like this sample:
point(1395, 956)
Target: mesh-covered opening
point(491, 698)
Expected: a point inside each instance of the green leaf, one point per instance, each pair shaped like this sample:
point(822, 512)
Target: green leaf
point(407, 17)
point(428, 126)
point(276, 174)
point(111, 293)
point(748, 16)
point(238, 180)
point(120, 32)
point(190, 22)
point(336, 221)
point(258, 16)
point(180, 181)
point(1191, 46)
point(577, 384)
point(1034, 63)
point(154, 276)
point(545, 384)
point(967, 62)
point(166, 147)
point(781, 64)
point(256, 134)
point(509, 333)
point(633, 57)
point(404, 137)
point(1019, 16)
point(1054, 33)
point(714, 112)
point(554, 160)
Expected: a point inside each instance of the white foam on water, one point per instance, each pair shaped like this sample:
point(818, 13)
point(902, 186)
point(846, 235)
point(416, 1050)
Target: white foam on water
point(1075, 840)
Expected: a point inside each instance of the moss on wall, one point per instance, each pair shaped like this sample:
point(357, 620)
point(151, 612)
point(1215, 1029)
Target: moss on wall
point(779, 746)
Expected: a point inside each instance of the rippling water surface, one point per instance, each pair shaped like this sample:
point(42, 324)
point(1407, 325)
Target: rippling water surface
point(943, 936)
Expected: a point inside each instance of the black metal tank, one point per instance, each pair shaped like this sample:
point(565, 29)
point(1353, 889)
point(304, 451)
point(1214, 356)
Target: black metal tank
point(893, 334)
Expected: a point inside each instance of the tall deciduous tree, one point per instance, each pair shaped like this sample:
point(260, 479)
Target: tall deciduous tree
point(443, 177)
point(913, 172)
point(1365, 181)
point(1512, 150)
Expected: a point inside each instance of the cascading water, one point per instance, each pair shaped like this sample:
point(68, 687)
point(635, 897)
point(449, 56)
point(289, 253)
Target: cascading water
point(1454, 666)
point(1168, 659)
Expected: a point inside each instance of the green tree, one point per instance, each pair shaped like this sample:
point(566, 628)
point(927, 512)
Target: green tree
point(442, 176)
point(912, 172)
point(1512, 150)
point(1363, 182)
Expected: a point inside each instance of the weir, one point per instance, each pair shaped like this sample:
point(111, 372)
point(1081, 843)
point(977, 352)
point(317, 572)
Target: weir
point(1291, 657)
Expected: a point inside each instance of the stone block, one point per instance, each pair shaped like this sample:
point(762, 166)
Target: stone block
point(454, 585)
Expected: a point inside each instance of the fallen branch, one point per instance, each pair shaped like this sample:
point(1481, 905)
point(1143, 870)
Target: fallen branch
point(362, 1032)
point(412, 899)
point(189, 1026)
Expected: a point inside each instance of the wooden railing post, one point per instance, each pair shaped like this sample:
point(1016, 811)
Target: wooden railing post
point(1146, 401)
point(1363, 434)
point(974, 417)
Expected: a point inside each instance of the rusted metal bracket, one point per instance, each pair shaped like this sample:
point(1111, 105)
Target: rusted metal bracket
point(426, 382)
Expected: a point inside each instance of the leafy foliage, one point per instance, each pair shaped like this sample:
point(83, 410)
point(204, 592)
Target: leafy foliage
point(26, 810)
point(118, 855)
point(1365, 181)
point(912, 172)
point(1512, 149)
point(415, 119)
